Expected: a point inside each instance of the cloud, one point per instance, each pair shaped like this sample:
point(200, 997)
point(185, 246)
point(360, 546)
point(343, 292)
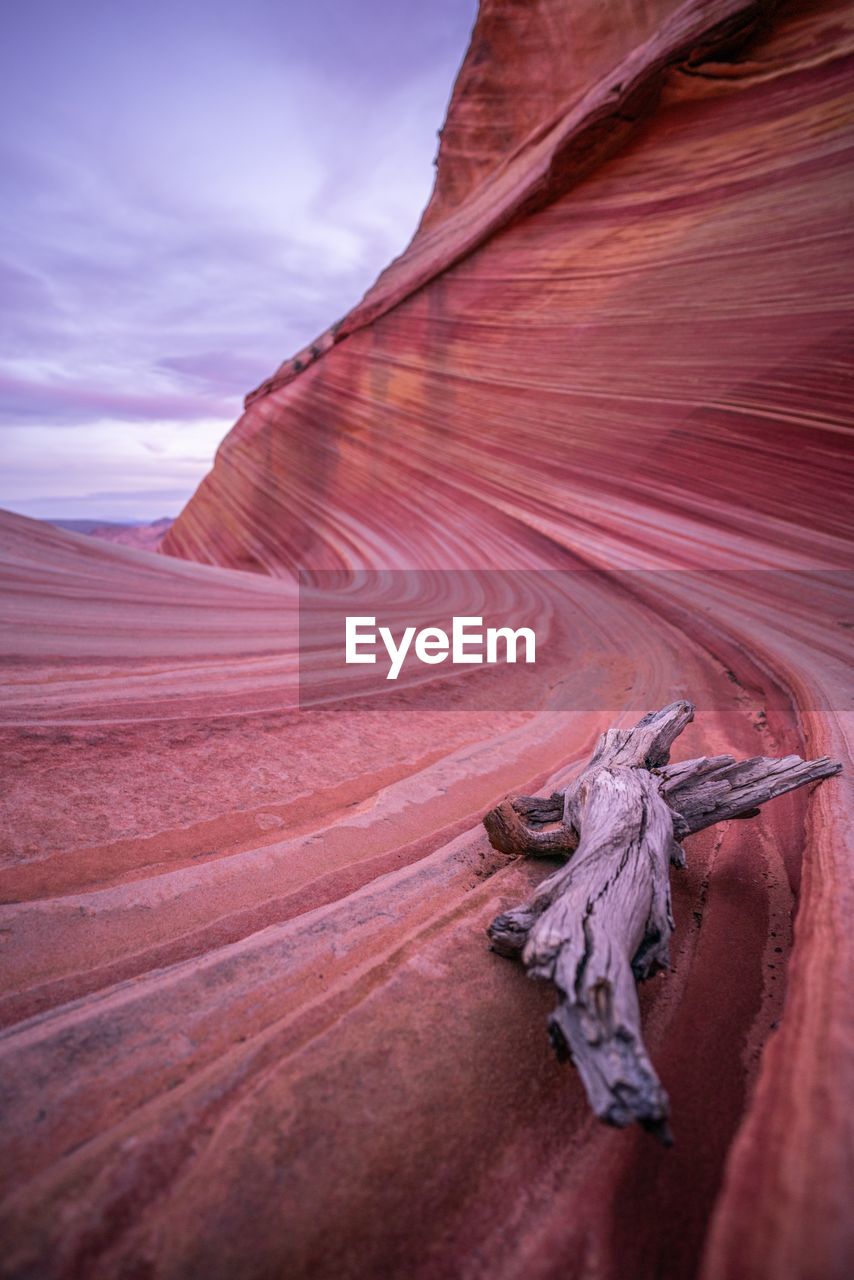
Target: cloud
point(191, 194)
point(68, 404)
point(49, 472)
point(217, 371)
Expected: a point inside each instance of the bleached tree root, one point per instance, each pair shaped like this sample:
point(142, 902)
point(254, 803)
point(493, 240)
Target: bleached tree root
point(603, 919)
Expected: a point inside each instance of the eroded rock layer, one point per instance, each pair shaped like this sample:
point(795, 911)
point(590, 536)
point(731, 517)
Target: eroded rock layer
point(251, 1026)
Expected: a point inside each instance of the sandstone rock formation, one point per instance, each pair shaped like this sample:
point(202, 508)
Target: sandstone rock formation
point(251, 1024)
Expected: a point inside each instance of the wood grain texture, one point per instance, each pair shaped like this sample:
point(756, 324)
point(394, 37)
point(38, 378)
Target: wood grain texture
point(605, 918)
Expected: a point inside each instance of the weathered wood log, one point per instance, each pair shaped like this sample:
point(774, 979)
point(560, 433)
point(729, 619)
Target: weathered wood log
point(603, 919)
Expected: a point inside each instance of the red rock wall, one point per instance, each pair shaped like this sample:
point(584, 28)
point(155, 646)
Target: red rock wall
point(251, 1025)
point(527, 66)
point(621, 356)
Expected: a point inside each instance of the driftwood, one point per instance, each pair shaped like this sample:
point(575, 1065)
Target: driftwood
point(603, 919)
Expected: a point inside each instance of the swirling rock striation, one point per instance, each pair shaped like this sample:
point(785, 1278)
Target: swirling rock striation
point(250, 1024)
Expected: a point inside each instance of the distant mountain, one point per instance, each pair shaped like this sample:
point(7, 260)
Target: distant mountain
point(145, 536)
point(87, 526)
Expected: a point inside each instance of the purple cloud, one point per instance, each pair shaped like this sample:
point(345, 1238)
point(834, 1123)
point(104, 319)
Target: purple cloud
point(191, 193)
point(69, 404)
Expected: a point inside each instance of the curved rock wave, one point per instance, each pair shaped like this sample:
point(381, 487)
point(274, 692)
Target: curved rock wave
point(251, 1024)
